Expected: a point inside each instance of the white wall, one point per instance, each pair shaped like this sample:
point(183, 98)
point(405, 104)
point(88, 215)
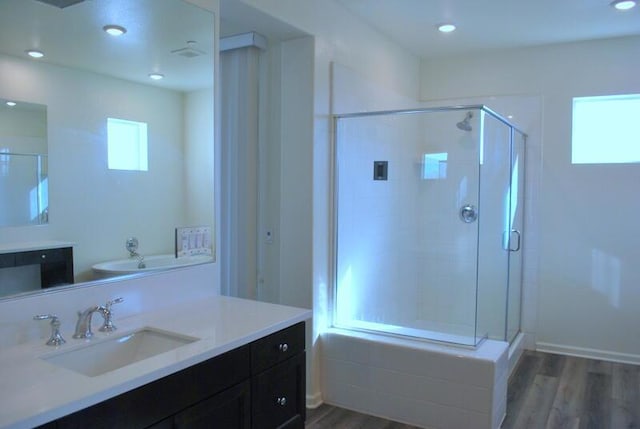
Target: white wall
point(338, 36)
point(584, 227)
point(199, 157)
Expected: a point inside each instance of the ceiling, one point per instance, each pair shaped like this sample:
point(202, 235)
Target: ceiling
point(492, 24)
point(237, 17)
point(73, 36)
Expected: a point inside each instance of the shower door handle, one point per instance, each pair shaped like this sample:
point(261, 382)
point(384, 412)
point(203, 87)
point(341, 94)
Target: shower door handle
point(517, 233)
point(507, 239)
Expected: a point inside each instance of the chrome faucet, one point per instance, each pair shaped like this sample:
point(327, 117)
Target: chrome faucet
point(141, 263)
point(108, 325)
point(132, 248)
point(83, 327)
point(55, 339)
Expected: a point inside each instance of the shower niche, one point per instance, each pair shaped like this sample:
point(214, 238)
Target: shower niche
point(435, 253)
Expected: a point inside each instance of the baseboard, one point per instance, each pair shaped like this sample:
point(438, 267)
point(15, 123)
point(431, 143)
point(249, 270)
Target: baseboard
point(314, 401)
point(516, 348)
point(589, 353)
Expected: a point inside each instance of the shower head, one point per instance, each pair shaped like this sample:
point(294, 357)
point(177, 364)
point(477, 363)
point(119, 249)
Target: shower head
point(464, 125)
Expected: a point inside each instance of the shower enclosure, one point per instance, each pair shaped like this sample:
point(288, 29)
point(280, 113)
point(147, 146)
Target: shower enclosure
point(428, 223)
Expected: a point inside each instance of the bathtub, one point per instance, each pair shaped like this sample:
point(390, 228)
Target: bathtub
point(421, 383)
point(152, 263)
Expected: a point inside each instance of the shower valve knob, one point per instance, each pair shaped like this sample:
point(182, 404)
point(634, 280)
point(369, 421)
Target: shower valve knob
point(468, 213)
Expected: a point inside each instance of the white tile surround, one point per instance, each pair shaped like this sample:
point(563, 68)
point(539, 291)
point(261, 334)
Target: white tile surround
point(419, 383)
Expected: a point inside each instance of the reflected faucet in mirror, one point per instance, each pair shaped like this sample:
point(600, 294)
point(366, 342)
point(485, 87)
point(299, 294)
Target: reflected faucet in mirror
point(132, 248)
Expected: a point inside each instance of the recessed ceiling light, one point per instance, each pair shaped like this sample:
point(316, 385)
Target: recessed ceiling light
point(11, 103)
point(623, 4)
point(446, 28)
point(114, 30)
point(35, 53)
point(156, 76)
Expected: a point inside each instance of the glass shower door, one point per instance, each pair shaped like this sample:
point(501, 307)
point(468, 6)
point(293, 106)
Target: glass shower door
point(516, 235)
point(407, 211)
point(493, 256)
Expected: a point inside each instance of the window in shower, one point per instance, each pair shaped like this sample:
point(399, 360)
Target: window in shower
point(605, 130)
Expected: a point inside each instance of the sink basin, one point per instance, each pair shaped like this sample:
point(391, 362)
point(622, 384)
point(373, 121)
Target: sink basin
point(101, 356)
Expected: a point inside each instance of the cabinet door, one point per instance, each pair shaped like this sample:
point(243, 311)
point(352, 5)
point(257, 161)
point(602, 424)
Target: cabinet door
point(153, 402)
point(227, 410)
point(279, 395)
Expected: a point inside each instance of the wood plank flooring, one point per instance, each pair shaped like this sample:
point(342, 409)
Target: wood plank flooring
point(553, 391)
point(329, 417)
point(546, 391)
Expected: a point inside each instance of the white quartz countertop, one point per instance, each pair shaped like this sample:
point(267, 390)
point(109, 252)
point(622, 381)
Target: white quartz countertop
point(33, 391)
point(33, 245)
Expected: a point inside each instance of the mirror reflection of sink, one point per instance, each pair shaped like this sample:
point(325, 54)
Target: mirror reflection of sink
point(101, 356)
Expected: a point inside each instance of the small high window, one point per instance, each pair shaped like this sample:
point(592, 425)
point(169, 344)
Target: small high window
point(126, 145)
point(605, 129)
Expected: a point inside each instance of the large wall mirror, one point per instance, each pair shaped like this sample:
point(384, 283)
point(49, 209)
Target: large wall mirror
point(118, 129)
point(23, 163)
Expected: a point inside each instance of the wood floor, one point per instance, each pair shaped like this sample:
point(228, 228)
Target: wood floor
point(546, 391)
point(553, 391)
point(329, 417)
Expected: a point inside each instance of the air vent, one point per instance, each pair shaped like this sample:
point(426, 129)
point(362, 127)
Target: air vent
point(60, 3)
point(188, 51)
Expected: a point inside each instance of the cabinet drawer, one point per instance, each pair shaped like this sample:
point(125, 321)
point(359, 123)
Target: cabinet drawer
point(40, 256)
point(277, 347)
point(7, 260)
point(278, 395)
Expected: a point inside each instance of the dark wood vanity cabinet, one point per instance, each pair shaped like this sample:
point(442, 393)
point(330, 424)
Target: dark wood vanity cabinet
point(278, 380)
point(259, 385)
point(56, 264)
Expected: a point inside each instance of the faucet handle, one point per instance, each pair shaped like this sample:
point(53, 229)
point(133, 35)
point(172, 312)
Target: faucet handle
point(108, 325)
point(113, 301)
point(55, 339)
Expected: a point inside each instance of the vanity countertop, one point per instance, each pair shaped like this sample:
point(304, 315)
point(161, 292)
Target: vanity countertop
point(33, 245)
point(33, 391)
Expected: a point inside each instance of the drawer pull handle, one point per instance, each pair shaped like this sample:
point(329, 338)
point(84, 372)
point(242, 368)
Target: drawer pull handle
point(43, 256)
point(281, 401)
point(283, 347)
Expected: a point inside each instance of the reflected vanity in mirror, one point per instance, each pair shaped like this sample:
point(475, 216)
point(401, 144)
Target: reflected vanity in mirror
point(115, 138)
